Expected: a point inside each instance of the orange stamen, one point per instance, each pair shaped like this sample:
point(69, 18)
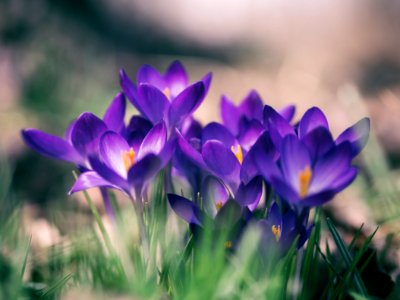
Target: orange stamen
point(167, 92)
point(238, 153)
point(129, 158)
point(218, 205)
point(228, 244)
point(304, 181)
point(276, 230)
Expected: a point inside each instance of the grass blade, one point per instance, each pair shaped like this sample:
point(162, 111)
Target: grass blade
point(359, 284)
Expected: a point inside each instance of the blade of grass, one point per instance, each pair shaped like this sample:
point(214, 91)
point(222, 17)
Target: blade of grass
point(309, 259)
point(347, 257)
point(56, 287)
point(26, 258)
point(98, 219)
point(355, 237)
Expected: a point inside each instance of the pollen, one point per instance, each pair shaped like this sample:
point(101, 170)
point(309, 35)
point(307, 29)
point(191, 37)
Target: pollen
point(129, 158)
point(167, 92)
point(304, 181)
point(228, 244)
point(276, 230)
point(238, 153)
point(218, 205)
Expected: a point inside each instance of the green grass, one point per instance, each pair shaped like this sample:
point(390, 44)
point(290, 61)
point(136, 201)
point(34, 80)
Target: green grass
point(112, 262)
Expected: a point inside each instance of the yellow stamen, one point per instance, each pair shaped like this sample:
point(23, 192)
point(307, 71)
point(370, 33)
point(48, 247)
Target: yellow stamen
point(276, 230)
point(167, 92)
point(218, 205)
point(129, 158)
point(238, 153)
point(228, 244)
point(304, 181)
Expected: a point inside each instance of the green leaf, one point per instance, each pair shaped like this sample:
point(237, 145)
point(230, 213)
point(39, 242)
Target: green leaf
point(348, 260)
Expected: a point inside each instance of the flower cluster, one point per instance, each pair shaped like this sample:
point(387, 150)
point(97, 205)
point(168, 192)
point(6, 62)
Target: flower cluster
point(257, 160)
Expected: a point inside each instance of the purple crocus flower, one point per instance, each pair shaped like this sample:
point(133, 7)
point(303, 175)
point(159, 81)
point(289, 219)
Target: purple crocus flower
point(167, 97)
point(81, 137)
point(245, 121)
point(219, 155)
point(125, 167)
point(313, 130)
point(284, 228)
point(304, 182)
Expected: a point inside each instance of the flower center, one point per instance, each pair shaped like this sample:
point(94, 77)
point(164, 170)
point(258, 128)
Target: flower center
point(218, 205)
point(228, 244)
point(129, 158)
point(238, 153)
point(276, 230)
point(167, 93)
point(304, 181)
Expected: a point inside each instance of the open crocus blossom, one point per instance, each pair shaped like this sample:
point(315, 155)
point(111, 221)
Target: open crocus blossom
point(220, 155)
point(245, 121)
point(302, 181)
point(313, 130)
point(124, 167)
point(167, 97)
point(81, 137)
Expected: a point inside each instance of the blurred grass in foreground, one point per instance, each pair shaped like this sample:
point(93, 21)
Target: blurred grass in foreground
point(109, 263)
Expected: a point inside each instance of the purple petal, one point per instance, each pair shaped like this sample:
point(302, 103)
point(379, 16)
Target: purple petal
point(276, 125)
point(167, 152)
point(51, 146)
point(294, 159)
point(130, 90)
point(288, 112)
point(260, 160)
point(289, 220)
point(357, 135)
point(68, 131)
point(190, 152)
point(230, 115)
point(249, 133)
point(330, 168)
point(216, 131)
point(136, 131)
point(213, 193)
point(186, 209)
point(249, 194)
point(148, 75)
point(176, 78)
point(153, 102)
point(89, 180)
point(318, 199)
point(108, 174)
point(252, 106)
point(115, 114)
point(207, 81)
point(345, 179)
point(222, 162)
point(191, 128)
point(275, 216)
point(318, 141)
point(86, 133)
point(284, 189)
point(186, 103)
point(144, 170)
point(154, 141)
point(312, 119)
point(112, 148)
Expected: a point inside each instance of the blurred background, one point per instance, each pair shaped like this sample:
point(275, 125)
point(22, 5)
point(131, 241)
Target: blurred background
point(59, 58)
